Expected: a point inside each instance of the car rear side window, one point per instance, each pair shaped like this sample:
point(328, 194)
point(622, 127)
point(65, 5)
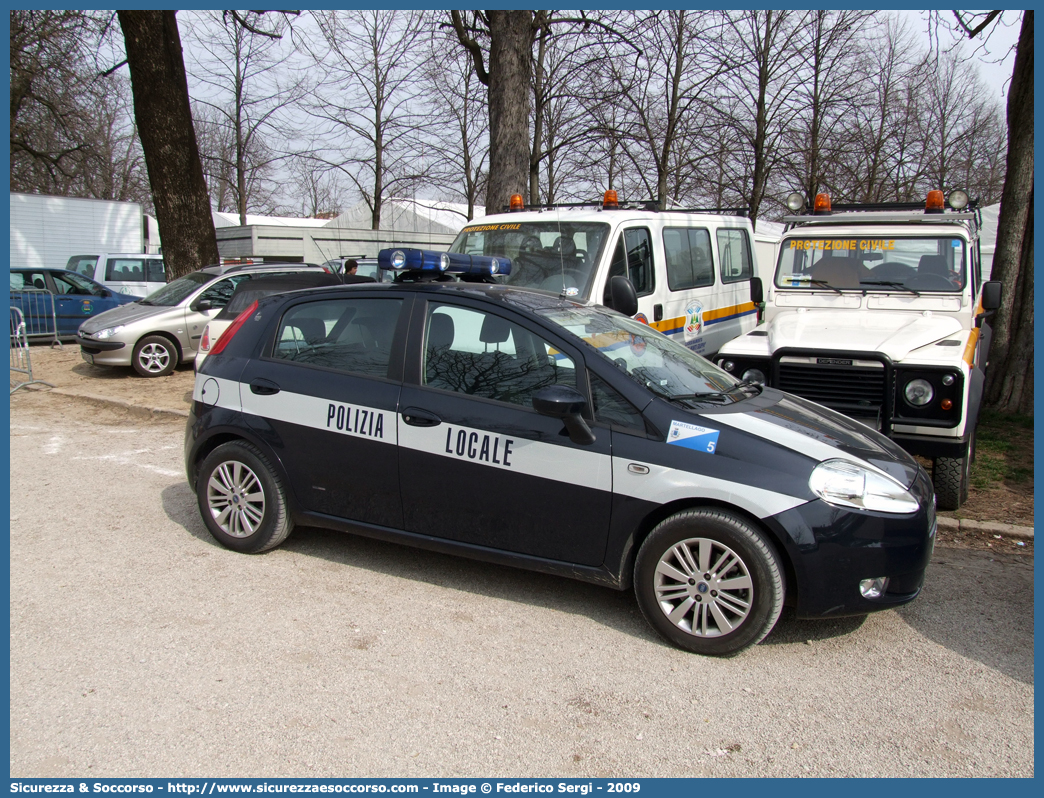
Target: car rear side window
point(352, 334)
point(482, 354)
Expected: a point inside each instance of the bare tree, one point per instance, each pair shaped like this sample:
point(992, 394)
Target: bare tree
point(832, 87)
point(1009, 381)
point(759, 97)
point(459, 128)
point(508, 36)
point(318, 192)
point(666, 94)
point(164, 120)
point(72, 129)
point(368, 101)
point(242, 68)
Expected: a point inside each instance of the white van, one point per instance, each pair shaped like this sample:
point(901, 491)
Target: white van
point(691, 270)
point(134, 274)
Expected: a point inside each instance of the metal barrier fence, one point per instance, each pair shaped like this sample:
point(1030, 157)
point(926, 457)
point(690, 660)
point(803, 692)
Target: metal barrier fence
point(21, 362)
point(39, 311)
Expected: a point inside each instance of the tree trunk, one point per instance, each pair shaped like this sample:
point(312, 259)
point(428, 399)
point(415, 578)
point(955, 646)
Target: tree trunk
point(1011, 354)
point(164, 121)
point(510, 76)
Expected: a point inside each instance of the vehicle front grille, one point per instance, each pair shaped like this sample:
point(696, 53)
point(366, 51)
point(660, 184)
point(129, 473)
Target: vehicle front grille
point(858, 390)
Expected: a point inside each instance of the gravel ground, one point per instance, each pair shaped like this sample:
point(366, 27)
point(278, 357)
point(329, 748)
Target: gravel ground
point(139, 647)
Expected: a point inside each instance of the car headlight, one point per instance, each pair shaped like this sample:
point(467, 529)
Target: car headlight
point(918, 392)
point(754, 375)
point(108, 332)
point(847, 484)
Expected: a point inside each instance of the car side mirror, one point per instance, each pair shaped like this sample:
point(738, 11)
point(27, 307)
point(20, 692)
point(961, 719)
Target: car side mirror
point(202, 306)
point(757, 291)
point(622, 296)
point(561, 401)
point(991, 295)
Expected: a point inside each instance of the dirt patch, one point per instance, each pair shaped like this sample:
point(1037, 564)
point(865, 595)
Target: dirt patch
point(1020, 548)
point(64, 368)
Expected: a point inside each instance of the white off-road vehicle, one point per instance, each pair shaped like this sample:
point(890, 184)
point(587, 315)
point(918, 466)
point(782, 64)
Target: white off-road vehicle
point(879, 312)
point(691, 270)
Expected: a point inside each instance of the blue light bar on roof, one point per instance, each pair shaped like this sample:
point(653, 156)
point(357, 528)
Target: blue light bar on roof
point(426, 260)
point(419, 260)
point(478, 264)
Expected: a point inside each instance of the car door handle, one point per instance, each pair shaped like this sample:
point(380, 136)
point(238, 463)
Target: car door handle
point(263, 387)
point(416, 417)
point(657, 312)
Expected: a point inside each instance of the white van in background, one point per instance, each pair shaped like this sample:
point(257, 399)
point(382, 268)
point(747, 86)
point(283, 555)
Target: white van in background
point(135, 274)
point(691, 270)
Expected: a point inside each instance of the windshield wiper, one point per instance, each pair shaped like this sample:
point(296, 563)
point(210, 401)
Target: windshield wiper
point(670, 397)
point(890, 284)
point(804, 278)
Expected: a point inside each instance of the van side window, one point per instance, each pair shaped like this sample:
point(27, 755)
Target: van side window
point(734, 253)
point(154, 272)
point(689, 262)
point(83, 264)
point(632, 258)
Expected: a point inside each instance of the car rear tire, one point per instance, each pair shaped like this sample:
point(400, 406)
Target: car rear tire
point(709, 582)
point(242, 499)
point(155, 356)
point(951, 476)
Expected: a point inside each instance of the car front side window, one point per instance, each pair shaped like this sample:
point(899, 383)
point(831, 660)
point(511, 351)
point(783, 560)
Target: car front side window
point(482, 354)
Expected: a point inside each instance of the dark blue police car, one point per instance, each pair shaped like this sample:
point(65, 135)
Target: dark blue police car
point(519, 427)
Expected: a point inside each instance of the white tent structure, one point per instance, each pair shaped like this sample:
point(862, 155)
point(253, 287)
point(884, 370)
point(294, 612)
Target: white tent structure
point(423, 224)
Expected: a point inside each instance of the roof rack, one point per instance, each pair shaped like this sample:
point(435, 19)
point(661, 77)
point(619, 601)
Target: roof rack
point(642, 205)
point(892, 206)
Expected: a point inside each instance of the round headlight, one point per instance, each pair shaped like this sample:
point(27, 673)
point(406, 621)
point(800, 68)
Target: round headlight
point(728, 365)
point(398, 259)
point(958, 199)
point(948, 380)
point(795, 202)
point(754, 375)
point(918, 392)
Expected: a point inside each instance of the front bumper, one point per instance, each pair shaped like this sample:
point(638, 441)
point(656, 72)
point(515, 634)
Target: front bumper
point(104, 353)
point(832, 549)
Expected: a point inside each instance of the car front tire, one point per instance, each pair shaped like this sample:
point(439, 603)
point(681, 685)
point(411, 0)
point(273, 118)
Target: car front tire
point(242, 499)
point(709, 582)
point(155, 356)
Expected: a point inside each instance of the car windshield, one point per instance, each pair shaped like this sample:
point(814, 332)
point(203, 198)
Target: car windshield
point(650, 358)
point(549, 256)
point(910, 265)
point(178, 291)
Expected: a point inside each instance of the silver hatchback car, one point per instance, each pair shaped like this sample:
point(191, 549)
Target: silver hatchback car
point(158, 332)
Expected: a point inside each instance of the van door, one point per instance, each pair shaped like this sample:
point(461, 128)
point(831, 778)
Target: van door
point(633, 257)
point(693, 287)
point(733, 313)
point(155, 275)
